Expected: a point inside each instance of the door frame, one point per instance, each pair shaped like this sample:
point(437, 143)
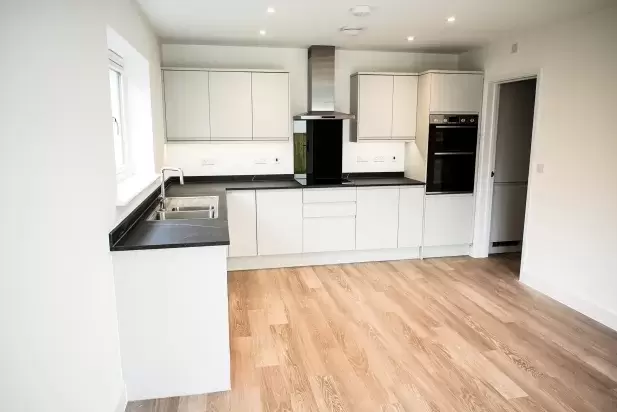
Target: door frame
point(485, 164)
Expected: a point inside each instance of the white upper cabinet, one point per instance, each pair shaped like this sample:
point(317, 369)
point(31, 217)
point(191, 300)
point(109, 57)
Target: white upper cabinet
point(385, 106)
point(242, 220)
point(187, 105)
point(231, 113)
point(404, 107)
point(410, 216)
point(456, 92)
point(271, 117)
point(448, 220)
point(279, 221)
point(377, 218)
point(374, 112)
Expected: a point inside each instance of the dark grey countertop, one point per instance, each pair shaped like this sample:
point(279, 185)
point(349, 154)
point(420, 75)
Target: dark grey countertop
point(145, 234)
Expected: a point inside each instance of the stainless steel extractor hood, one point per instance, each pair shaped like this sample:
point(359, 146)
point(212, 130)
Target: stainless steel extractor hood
point(321, 86)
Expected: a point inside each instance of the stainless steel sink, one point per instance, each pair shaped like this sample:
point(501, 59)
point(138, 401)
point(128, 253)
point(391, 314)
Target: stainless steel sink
point(185, 208)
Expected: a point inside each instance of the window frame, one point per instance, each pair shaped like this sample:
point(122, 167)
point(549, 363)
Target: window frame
point(127, 170)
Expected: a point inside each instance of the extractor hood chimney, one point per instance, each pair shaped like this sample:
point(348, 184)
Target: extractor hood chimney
point(321, 86)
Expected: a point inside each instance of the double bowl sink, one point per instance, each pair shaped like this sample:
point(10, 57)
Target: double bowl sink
point(186, 208)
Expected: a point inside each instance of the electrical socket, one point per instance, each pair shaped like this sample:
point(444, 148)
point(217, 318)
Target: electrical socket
point(379, 159)
point(261, 161)
point(207, 162)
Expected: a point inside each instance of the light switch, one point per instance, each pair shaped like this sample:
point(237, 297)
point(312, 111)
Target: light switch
point(540, 167)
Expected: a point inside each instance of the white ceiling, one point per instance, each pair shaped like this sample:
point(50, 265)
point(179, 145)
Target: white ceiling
point(298, 23)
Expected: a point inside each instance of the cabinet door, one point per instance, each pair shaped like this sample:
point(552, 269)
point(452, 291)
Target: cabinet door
point(279, 221)
point(377, 218)
point(231, 114)
point(242, 221)
point(329, 234)
point(410, 216)
point(456, 93)
point(187, 108)
point(375, 107)
point(448, 220)
point(404, 107)
point(271, 118)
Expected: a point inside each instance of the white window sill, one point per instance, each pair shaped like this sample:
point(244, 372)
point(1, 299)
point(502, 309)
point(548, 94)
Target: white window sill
point(130, 188)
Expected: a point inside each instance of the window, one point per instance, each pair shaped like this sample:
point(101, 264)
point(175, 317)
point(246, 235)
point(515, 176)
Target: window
point(118, 120)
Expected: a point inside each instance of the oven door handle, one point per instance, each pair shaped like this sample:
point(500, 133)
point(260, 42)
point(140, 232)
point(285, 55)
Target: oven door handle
point(441, 126)
point(452, 153)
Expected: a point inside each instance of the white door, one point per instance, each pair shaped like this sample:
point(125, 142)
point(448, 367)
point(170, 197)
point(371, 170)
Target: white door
point(329, 234)
point(242, 221)
point(448, 220)
point(377, 218)
point(187, 107)
point(375, 106)
point(231, 113)
point(410, 216)
point(456, 93)
point(508, 213)
point(279, 221)
point(271, 116)
point(404, 107)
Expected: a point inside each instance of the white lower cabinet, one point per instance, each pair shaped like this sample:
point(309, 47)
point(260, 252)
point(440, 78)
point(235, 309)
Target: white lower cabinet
point(242, 220)
point(279, 221)
point(410, 216)
point(377, 218)
point(448, 220)
point(329, 234)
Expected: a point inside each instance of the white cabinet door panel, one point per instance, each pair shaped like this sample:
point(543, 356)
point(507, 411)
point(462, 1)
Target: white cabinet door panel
point(404, 107)
point(329, 209)
point(508, 213)
point(329, 234)
point(242, 220)
point(410, 216)
point(329, 195)
point(377, 218)
point(456, 93)
point(231, 112)
point(279, 221)
point(187, 106)
point(271, 118)
point(375, 107)
point(448, 220)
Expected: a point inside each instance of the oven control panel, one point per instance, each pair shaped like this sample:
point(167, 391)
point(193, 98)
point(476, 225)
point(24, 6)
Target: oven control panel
point(454, 119)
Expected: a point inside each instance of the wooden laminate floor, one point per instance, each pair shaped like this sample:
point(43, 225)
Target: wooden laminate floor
point(454, 334)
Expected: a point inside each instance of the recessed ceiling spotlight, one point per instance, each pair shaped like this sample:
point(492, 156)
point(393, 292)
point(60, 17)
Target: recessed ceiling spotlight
point(351, 31)
point(271, 10)
point(451, 19)
point(410, 38)
point(262, 32)
point(361, 11)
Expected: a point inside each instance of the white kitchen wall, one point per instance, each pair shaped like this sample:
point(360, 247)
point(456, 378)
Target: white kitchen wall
point(59, 350)
point(571, 226)
point(260, 158)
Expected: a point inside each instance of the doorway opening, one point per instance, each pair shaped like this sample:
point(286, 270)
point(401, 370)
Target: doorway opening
point(514, 130)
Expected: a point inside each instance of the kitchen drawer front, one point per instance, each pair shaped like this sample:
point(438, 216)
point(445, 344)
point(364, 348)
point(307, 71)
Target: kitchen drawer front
point(329, 234)
point(329, 209)
point(329, 195)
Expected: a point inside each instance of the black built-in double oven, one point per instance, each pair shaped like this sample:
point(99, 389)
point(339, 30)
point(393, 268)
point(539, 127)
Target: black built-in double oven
point(451, 153)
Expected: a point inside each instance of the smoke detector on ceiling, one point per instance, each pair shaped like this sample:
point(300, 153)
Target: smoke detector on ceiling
point(361, 11)
point(351, 31)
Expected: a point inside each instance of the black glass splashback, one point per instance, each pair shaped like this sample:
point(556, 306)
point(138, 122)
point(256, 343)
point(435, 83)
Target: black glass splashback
point(324, 151)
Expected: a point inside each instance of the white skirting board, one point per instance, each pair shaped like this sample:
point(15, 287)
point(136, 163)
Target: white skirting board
point(351, 256)
point(584, 306)
point(445, 251)
point(322, 258)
